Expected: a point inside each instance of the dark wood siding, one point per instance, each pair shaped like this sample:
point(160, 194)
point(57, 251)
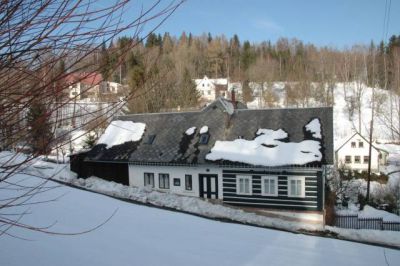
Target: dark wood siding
point(117, 172)
point(311, 201)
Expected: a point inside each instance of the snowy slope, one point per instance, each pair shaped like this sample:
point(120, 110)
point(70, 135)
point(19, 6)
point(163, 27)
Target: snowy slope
point(343, 93)
point(138, 235)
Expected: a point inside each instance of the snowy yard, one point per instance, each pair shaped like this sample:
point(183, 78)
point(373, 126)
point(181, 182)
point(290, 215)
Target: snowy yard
point(139, 235)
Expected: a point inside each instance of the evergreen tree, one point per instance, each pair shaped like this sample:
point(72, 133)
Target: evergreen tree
point(209, 37)
point(105, 62)
point(39, 128)
point(90, 140)
point(189, 95)
point(248, 56)
point(247, 92)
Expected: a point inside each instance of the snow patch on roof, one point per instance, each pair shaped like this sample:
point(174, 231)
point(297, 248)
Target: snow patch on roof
point(229, 108)
point(204, 129)
point(190, 131)
point(119, 132)
point(267, 149)
point(314, 127)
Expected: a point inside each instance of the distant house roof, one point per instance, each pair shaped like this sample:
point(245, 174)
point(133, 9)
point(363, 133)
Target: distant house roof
point(91, 78)
point(365, 139)
point(173, 144)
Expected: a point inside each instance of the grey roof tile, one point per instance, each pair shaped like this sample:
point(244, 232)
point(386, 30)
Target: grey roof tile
point(171, 144)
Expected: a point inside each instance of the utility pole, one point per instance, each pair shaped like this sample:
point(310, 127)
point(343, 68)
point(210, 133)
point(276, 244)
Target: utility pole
point(369, 158)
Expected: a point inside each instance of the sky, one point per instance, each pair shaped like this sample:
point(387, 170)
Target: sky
point(335, 23)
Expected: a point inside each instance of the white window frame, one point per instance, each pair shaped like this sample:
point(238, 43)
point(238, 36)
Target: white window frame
point(150, 177)
point(238, 185)
point(163, 179)
point(263, 192)
point(303, 186)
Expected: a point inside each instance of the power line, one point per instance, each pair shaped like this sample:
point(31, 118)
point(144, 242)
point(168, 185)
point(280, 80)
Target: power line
point(384, 22)
point(388, 19)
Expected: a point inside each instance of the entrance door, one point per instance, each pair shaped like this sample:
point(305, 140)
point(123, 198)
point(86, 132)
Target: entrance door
point(208, 186)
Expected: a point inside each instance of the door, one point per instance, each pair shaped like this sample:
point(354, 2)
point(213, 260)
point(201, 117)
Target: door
point(208, 186)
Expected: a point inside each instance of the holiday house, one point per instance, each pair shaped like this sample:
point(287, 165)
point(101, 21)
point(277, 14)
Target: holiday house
point(272, 158)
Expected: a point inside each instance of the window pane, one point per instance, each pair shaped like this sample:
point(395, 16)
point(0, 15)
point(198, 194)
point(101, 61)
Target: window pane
point(298, 188)
point(163, 180)
point(246, 186)
point(266, 186)
point(293, 187)
point(188, 182)
point(149, 179)
point(272, 186)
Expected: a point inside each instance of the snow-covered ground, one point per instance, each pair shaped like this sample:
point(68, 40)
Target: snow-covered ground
point(198, 206)
point(139, 235)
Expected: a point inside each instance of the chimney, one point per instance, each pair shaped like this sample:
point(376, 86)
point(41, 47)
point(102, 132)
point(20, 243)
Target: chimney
point(233, 98)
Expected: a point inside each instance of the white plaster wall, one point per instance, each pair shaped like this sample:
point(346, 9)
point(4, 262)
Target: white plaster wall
point(75, 91)
point(204, 86)
point(136, 177)
point(348, 150)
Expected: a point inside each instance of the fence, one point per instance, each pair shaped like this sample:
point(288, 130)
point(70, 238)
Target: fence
point(354, 222)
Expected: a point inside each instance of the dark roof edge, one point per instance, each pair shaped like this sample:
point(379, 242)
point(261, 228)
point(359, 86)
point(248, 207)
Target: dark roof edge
point(211, 165)
point(286, 108)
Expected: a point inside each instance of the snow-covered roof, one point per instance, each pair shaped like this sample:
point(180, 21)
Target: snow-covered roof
point(268, 137)
point(269, 148)
point(218, 81)
point(314, 127)
point(119, 132)
point(190, 131)
point(204, 129)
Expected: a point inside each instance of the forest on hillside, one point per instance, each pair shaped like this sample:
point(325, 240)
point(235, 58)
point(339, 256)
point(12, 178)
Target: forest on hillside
point(160, 68)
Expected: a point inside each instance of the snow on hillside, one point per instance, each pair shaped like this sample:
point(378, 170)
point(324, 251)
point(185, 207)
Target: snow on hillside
point(139, 235)
point(344, 94)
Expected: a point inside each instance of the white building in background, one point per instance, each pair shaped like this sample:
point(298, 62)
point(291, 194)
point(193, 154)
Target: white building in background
point(208, 87)
point(109, 87)
point(354, 154)
point(91, 86)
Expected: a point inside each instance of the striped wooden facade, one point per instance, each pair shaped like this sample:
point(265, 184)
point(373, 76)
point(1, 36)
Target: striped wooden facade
point(312, 201)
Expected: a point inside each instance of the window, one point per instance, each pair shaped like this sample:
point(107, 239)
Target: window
point(357, 159)
point(149, 179)
point(353, 144)
point(177, 182)
point(347, 159)
point(188, 182)
point(209, 92)
point(269, 186)
point(366, 159)
point(150, 139)
point(163, 180)
point(204, 138)
point(296, 187)
point(243, 185)
point(361, 144)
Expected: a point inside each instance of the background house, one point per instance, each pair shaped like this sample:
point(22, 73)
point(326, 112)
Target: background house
point(354, 154)
point(84, 85)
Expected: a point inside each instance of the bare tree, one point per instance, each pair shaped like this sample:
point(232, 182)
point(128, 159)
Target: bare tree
point(42, 43)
